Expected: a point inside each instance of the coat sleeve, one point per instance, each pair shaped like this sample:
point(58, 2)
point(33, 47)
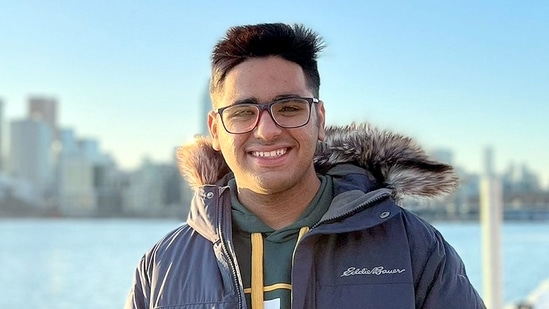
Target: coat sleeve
point(444, 282)
point(139, 295)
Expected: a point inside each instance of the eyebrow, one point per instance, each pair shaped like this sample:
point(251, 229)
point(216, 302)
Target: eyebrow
point(254, 100)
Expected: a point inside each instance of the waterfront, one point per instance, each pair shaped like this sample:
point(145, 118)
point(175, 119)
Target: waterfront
point(69, 263)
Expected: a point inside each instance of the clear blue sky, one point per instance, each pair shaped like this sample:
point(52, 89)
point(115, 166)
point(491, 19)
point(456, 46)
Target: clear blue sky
point(457, 75)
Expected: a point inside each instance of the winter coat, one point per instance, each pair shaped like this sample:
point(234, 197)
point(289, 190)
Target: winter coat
point(366, 251)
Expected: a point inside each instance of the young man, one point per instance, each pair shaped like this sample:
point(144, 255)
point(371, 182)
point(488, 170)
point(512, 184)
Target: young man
point(290, 214)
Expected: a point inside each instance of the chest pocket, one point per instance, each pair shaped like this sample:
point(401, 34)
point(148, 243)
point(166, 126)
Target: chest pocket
point(365, 269)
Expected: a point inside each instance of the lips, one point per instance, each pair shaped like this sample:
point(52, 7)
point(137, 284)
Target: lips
point(270, 154)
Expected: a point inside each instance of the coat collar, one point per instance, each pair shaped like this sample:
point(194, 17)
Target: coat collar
point(395, 161)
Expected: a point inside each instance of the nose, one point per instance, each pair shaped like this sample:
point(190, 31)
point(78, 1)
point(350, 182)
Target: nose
point(266, 128)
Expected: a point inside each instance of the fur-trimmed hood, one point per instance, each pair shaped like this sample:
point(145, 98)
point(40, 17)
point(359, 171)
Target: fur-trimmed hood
point(396, 161)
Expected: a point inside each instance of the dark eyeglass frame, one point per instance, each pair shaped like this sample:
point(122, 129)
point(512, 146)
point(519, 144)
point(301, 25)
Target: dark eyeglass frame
point(268, 107)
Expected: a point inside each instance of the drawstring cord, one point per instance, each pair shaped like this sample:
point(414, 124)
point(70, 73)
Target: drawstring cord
point(257, 271)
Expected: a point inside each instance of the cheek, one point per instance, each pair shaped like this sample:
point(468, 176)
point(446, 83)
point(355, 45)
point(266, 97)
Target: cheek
point(317, 133)
point(229, 146)
point(308, 140)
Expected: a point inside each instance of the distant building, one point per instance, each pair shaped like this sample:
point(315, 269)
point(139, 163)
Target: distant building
point(30, 157)
point(153, 190)
point(87, 179)
point(206, 108)
point(76, 187)
point(519, 178)
point(68, 142)
point(2, 133)
point(108, 184)
point(469, 186)
point(45, 109)
point(89, 148)
point(145, 191)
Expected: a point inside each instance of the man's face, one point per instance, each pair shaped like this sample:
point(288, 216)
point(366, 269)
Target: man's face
point(269, 159)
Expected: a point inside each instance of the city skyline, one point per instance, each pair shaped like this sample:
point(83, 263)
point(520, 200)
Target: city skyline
point(45, 111)
point(454, 76)
point(52, 171)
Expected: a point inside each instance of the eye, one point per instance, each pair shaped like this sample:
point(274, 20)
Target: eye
point(241, 111)
point(291, 106)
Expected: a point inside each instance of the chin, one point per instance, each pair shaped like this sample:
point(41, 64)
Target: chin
point(268, 184)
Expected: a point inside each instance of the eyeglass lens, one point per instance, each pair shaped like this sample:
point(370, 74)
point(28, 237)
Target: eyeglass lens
point(290, 113)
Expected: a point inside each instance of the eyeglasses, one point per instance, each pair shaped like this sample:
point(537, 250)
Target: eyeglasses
point(286, 113)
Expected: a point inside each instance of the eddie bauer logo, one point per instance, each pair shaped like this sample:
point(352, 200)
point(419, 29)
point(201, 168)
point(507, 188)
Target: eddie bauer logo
point(377, 271)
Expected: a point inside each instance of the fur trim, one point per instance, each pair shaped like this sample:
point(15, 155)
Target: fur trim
point(199, 163)
point(396, 161)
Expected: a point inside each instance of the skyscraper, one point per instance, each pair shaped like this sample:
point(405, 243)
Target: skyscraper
point(45, 109)
point(2, 164)
point(206, 107)
point(30, 153)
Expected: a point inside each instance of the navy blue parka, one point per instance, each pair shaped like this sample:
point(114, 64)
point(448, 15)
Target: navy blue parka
point(365, 252)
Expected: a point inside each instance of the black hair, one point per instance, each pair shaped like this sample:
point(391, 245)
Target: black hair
point(294, 43)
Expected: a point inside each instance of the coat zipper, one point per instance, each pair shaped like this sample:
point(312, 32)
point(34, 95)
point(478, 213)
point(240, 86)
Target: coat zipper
point(231, 260)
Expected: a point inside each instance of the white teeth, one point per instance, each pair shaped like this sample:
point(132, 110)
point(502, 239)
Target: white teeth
point(269, 154)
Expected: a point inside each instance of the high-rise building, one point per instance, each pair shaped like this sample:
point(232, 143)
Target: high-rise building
point(205, 109)
point(74, 177)
point(146, 191)
point(86, 177)
point(90, 149)
point(30, 157)
point(2, 161)
point(519, 178)
point(76, 189)
point(45, 109)
point(67, 140)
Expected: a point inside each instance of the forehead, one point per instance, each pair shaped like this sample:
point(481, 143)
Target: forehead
point(263, 79)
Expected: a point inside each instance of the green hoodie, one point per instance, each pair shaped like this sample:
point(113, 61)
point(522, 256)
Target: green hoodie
point(278, 245)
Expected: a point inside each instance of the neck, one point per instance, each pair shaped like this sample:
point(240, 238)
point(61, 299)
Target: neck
point(280, 209)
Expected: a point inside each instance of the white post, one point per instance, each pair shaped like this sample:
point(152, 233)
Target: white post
point(491, 212)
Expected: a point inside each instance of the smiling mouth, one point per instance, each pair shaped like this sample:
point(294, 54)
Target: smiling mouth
point(270, 154)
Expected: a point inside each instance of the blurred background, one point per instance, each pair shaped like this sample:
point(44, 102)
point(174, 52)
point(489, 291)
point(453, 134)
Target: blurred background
point(96, 96)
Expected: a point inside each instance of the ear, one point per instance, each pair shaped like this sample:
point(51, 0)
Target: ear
point(321, 120)
point(213, 126)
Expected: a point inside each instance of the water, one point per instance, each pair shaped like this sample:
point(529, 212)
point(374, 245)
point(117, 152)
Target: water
point(72, 263)
point(525, 250)
point(90, 263)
